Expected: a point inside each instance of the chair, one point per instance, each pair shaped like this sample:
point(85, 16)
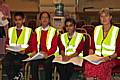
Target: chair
point(95, 23)
point(81, 30)
point(41, 68)
point(80, 23)
point(27, 71)
point(89, 28)
point(80, 70)
point(116, 71)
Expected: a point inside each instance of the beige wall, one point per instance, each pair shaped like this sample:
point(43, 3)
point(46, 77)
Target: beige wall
point(45, 5)
point(48, 5)
point(99, 4)
point(22, 5)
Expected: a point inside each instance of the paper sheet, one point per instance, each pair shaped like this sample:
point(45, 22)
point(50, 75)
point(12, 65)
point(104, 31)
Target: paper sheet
point(94, 59)
point(76, 60)
point(39, 55)
point(16, 48)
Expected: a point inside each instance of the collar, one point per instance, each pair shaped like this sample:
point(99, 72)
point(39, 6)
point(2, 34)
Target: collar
point(20, 28)
point(72, 35)
point(46, 28)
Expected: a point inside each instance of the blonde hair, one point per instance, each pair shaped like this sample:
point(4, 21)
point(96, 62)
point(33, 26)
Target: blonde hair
point(105, 10)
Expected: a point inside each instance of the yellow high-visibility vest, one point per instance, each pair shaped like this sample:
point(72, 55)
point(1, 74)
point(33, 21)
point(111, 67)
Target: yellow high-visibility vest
point(105, 47)
point(50, 35)
point(71, 46)
point(23, 38)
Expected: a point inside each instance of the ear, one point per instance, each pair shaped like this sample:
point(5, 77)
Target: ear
point(110, 17)
point(24, 20)
point(75, 26)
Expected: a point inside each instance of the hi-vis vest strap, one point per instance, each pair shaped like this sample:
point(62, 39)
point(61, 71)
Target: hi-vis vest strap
point(23, 38)
point(71, 46)
point(50, 35)
point(105, 46)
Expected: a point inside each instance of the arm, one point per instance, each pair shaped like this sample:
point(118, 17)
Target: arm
point(32, 44)
point(92, 47)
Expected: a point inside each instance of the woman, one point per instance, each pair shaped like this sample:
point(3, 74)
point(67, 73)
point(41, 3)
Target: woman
point(105, 42)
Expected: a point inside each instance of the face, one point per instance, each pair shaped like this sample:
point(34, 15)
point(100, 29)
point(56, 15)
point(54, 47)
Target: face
point(44, 19)
point(70, 28)
point(105, 19)
point(19, 21)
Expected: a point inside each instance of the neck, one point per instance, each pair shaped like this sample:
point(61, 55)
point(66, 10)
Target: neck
point(70, 34)
point(106, 27)
point(19, 27)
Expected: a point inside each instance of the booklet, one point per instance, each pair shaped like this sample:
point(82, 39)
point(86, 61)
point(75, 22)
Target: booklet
point(75, 60)
point(94, 59)
point(39, 55)
point(16, 48)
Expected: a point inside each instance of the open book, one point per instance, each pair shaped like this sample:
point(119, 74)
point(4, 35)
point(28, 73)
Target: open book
point(39, 55)
point(76, 60)
point(94, 59)
point(16, 48)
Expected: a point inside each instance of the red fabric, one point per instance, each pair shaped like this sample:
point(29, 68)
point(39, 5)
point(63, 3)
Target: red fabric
point(53, 44)
point(104, 70)
point(78, 49)
point(32, 42)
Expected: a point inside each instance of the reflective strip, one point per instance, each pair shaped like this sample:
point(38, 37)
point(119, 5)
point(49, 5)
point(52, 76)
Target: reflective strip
point(118, 57)
point(62, 39)
point(97, 30)
point(98, 46)
point(113, 39)
point(111, 47)
point(10, 36)
point(78, 39)
point(50, 37)
point(12, 44)
point(107, 53)
point(38, 32)
point(26, 39)
point(24, 45)
point(81, 54)
point(98, 52)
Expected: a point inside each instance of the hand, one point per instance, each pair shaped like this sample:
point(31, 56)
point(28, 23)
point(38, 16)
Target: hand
point(104, 59)
point(32, 54)
point(4, 18)
point(45, 55)
point(91, 51)
point(65, 58)
point(22, 52)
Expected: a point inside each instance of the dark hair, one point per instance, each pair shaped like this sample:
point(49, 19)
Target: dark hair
point(19, 14)
point(43, 13)
point(70, 20)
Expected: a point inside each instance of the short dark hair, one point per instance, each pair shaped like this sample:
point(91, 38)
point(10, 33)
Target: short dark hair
point(19, 14)
point(43, 13)
point(70, 20)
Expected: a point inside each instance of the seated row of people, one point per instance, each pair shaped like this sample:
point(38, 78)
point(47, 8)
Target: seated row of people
point(105, 43)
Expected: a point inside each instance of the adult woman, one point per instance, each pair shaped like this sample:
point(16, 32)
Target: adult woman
point(105, 43)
